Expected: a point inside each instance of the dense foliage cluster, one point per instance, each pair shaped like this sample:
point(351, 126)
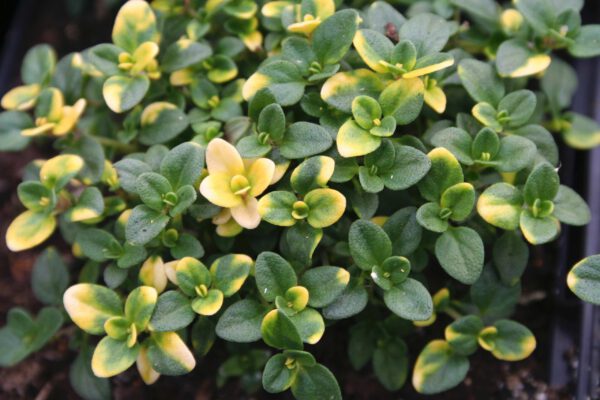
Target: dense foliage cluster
point(257, 171)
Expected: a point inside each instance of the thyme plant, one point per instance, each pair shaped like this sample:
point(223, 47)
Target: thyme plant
point(256, 172)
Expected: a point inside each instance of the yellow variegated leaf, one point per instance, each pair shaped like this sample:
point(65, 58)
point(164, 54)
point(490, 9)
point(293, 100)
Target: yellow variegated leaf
point(326, 207)
point(135, 24)
point(57, 171)
point(152, 273)
point(209, 304)
point(353, 141)
point(111, 357)
point(90, 306)
point(29, 229)
point(21, 98)
point(169, 355)
point(144, 367)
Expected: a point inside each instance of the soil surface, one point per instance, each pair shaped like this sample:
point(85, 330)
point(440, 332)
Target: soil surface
point(45, 375)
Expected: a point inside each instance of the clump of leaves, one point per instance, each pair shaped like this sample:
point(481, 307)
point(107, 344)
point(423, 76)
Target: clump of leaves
point(258, 171)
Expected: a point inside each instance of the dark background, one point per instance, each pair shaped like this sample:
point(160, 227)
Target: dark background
point(549, 309)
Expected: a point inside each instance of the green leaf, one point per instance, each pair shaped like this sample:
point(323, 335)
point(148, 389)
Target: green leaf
point(369, 244)
point(129, 169)
point(278, 331)
point(429, 217)
point(315, 382)
point(481, 81)
point(340, 90)
point(83, 380)
point(461, 254)
point(500, 205)
point(586, 42)
point(457, 141)
point(559, 84)
point(302, 240)
point(11, 125)
point(459, 199)
point(428, 32)
point(508, 340)
point(515, 154)
point(485, 11)
point(462, 334)
point(324, 284)
point(390, 364)
point(122, 93)
point(350, 302)
point(584, 279)
point(303, 139)
point(38, 65)
point(272, 121)
point(404, 231)
point(274, 275)
point(50, 277)
point(135, 24)
point(333, 37)
point(184, 53)
point(439, 368)
point(515, 59)
point(161, 122)
point(36, 197)
point(144, 224)
point(172, 312)
point(409, 300)
point(409, 167)
point(24, 335)
point(152, 189)
point(310, 325)
point(283, 78)
point(519, 105)
point(169, 354)
point(403, 99)
point(241, 322)
point(361, 344)
point(29, 229)
point(539, 230)
point(570, 208)
point(543, 183)
point(493, 298)
point(276, 376)
point(539, 14)
point(380, 14)
point(445, 171)
point(230, 272)
point(99, 245)
point(510, 256)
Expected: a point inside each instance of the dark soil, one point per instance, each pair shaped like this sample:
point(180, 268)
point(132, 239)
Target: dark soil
point(45, 374)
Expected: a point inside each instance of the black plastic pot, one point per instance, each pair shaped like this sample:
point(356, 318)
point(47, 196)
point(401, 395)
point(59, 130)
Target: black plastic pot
point(576, 325)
